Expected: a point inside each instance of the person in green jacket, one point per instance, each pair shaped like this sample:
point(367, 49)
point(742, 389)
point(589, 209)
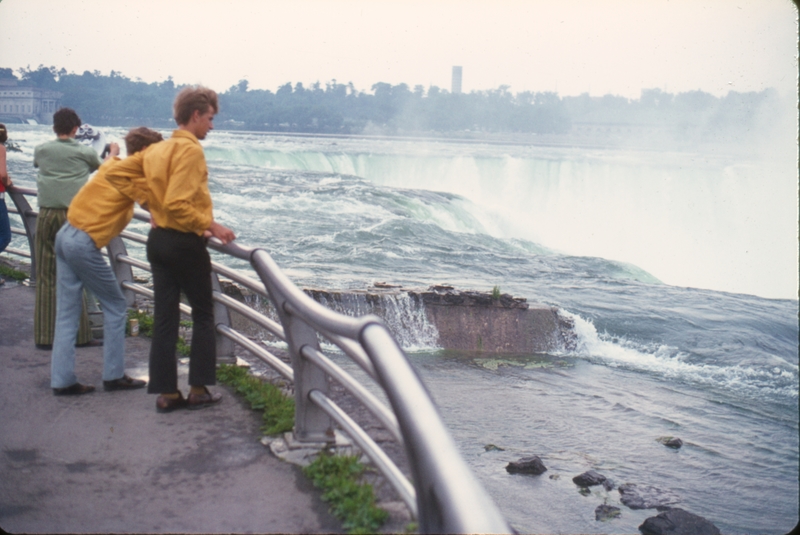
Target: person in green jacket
point(64, 167)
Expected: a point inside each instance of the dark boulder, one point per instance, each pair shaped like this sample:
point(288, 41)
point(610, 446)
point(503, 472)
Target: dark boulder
point(588, 479)
point(606, 512)
point(678, 522)
point(671, 442)
point(527, 465)
point(637, 497)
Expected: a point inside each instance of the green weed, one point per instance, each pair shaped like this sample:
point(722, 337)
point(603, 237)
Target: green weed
point(277, 407)
point(496, 293)
point(350, 501)
point(12, 273)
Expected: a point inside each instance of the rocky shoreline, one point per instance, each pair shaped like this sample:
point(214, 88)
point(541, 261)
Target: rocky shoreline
point(671, 520)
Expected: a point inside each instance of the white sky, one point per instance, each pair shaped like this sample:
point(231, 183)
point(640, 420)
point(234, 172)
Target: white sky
point(568, 46)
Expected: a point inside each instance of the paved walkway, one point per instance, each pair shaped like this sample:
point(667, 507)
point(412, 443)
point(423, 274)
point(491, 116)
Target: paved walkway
point(107, 462)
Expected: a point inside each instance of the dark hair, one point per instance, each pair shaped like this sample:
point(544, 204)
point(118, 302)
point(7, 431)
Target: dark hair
point(194, 98)
point(140, 138)
point(3, 133)
point(64, 120)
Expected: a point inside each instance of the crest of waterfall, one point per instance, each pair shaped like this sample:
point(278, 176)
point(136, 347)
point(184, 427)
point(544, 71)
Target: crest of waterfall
point(405, 317)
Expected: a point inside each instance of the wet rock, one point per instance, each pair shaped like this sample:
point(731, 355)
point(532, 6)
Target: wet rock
point(492, 447)
point(637, 497)
point(447, 295)
point(608, 485)
point(588, 479)
point(671, 442)
point(527, 465)
point(678, 522)
point(606, 512)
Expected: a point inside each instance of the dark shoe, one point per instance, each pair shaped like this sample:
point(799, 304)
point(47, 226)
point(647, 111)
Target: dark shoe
point(91, 343)
point(45, 347)
point(74, 390)
point(123, 383)
point(164, 404)
point(200, 401)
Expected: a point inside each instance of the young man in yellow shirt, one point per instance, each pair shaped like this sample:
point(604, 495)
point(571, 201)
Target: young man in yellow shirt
point(179, 201)
point(97, 213)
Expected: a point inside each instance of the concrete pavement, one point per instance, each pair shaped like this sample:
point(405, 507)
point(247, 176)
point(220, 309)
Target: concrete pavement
point(107, 462)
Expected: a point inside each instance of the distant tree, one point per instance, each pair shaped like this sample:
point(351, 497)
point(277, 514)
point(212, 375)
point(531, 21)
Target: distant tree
point(44, 77)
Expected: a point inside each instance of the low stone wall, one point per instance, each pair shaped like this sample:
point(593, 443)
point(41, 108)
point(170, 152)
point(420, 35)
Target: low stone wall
point(476, 326)
point(448, 318)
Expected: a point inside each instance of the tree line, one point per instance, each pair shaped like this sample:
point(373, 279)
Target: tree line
point(337, 108)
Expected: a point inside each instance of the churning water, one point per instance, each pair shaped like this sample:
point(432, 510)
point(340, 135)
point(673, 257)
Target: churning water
point(679, 270)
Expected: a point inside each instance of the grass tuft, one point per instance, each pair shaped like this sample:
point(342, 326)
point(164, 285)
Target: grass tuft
point(145, 320)
point(12, 273)
point(350, 501)
point(278, 408)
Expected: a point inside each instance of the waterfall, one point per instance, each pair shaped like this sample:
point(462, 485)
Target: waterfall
point(405, 317)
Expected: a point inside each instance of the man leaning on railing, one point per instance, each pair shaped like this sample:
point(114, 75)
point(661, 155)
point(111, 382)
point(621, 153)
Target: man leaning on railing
point(97, 213)
point(180, 205)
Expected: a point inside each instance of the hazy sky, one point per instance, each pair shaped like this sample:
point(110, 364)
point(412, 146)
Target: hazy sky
point(568, 46)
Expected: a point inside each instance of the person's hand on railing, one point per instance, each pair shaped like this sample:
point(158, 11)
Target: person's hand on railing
point(113, 150)
point(221, 232)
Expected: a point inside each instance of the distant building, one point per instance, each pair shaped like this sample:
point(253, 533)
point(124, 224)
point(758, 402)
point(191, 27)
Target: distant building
point(456, 84)
point(27, 104)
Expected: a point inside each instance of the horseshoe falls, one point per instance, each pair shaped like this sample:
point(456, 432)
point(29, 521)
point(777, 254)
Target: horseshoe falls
point(678, 269)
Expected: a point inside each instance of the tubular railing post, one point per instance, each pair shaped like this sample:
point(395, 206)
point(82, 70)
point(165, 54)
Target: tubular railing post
point(311, 423)
point(122, 271)
point(225, 346)
point(29, 222)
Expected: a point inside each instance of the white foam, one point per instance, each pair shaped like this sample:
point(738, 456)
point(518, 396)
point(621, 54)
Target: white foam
point(669, 362)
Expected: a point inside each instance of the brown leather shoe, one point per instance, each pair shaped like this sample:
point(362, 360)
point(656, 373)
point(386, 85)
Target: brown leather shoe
point(165, 404)
point(73, 390)
point(123, 383)
point(200, 401)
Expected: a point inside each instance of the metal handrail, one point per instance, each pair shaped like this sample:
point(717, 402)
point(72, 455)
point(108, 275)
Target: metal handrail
point(445, 496)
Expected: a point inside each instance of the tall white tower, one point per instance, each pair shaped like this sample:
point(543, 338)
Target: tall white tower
point(456, 83)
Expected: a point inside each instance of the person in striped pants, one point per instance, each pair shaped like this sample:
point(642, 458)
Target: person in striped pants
point(64, 167)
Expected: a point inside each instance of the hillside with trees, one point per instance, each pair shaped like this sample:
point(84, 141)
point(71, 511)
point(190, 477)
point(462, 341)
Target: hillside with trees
point(336, 108)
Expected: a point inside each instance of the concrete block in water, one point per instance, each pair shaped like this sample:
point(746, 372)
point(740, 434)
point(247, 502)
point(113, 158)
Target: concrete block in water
point(444, 317)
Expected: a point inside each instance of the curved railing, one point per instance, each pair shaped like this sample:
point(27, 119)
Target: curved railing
point(445, 496)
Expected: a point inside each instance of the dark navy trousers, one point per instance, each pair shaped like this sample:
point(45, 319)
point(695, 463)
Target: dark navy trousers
point(180, 263)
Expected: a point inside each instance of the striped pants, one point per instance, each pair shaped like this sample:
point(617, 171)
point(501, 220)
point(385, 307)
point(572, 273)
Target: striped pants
point(48, 224)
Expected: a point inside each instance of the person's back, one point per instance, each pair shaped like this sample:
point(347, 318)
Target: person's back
point(178, 180)
point(64, 167)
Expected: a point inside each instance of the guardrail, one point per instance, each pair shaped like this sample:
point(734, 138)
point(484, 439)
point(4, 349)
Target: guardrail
point(445, 496)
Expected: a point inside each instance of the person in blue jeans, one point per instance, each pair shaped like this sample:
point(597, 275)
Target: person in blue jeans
point(97, 214)
point(5, 182)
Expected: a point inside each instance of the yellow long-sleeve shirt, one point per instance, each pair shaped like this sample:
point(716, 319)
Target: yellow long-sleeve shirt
point(99, 209)
point(176, 187)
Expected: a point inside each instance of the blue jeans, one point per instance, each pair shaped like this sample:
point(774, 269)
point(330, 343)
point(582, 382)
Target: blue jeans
point(5, 226)
point(79, 263)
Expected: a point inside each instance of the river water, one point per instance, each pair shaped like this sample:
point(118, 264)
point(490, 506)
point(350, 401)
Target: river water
point(679, 270)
